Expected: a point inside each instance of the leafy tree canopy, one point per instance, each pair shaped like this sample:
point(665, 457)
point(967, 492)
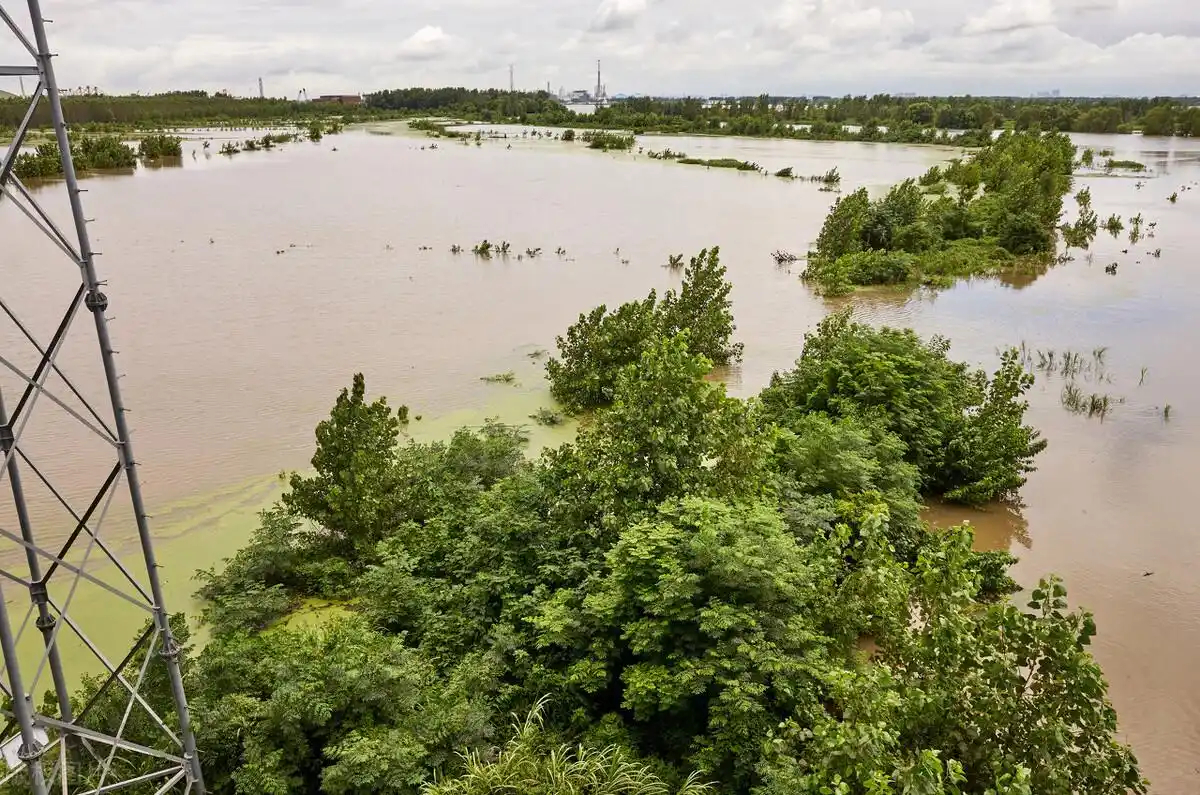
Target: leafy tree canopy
point(601, 343)
point(961, 430)
point(697, 594)
point(919, 234)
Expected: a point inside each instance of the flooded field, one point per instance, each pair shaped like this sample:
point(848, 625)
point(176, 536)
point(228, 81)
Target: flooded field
point(246, 291)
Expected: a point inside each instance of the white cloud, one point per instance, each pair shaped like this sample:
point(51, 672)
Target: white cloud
point(647, 46)
point(426, 44)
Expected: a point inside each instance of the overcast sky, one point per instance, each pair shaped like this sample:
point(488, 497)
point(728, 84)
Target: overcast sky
point(647, 46)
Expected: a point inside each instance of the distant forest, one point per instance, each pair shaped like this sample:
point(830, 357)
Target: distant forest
point(766, 115)
point(759, 116)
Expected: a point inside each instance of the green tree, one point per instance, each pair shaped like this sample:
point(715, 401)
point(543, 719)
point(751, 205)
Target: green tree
point(342, 710)
point(1159, 120)
point(937, 407)
point(595, 349)
point(353, 461)
point(668, 433)
point(703, 309)
point(601, 343)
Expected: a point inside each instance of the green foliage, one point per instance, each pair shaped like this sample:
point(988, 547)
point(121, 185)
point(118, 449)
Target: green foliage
point(969, 699)
point(1125, 165)
point(598, 139)
point(102, 152)
point(160, 145)
point(601, 343)
point(348, 496)
point(906, 237)
point(89, 153)
point(530, 764)
point(595, 349)
point(667, 432)
point(1081, 233)
point(568, 135)
point(931, 177)
point(961, 430)
point(842, 232)
point(684, 593)
point(343, 709)
point(721, 162)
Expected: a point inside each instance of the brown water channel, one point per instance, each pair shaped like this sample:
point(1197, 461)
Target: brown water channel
point(247, 290)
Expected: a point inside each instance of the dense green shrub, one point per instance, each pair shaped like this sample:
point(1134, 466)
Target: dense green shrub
point(963, 431)
point(1024, 177)
point(601, 343)
point(599, 139)
point(685, 593)
point(158, 145)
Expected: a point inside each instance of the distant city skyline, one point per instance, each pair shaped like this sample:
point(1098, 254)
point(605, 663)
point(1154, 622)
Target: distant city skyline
point(649, 47)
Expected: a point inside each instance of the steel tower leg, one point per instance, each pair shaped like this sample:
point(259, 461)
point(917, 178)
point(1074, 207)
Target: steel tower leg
point(30, 751)
point(37, 591)
point(168, 762)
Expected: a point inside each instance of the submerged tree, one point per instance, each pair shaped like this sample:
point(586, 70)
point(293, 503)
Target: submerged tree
point(601, 343)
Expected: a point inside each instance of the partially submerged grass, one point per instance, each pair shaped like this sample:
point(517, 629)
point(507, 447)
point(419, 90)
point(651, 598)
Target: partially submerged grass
point(501, 378)
point(89, 153)
point(829, 180)
point(721, 162)
point(1124, 165)
point(1093, 405)
point(604, 140)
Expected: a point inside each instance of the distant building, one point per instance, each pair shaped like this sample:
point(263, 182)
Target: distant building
point(339, 99)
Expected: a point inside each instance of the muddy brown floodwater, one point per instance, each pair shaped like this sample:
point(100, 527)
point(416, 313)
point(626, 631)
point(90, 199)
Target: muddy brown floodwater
point(246, 291)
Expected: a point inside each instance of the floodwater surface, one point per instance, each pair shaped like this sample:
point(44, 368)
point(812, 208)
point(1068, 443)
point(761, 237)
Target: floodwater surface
point(246, 291)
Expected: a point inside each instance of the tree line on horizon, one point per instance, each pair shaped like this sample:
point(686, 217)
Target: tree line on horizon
point(763, 115)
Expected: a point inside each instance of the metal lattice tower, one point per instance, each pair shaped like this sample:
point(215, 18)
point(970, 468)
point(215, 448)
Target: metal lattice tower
point(54, 748)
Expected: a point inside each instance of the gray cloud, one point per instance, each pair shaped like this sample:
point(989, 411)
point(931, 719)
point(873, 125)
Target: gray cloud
point(617, 15)
point(647, 46)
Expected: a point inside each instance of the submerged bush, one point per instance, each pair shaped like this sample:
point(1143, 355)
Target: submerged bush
point(962, 430)
point(1024, 177)
point(601, 139)
point(159, 145)
point(601, 343)
point(89, 153)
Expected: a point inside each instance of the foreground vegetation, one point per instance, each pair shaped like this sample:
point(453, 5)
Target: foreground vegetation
point(699, 593)
point(997, 209)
